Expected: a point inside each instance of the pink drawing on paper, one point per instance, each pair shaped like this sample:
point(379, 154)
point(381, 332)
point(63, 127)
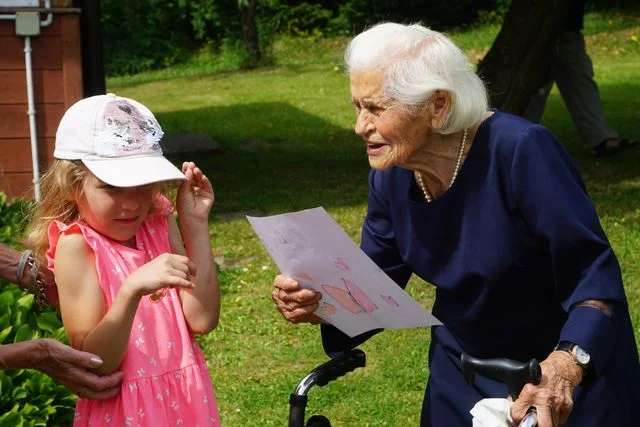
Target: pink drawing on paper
point(341, 264)
point(328, 309)
point(358, 294)
point(303, 276)
point(343, 297)
point(353, 298)
point(389, 300)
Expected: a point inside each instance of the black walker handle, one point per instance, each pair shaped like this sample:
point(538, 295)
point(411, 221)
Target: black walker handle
point(322, 375)
point(511, 372)
point(339, 366)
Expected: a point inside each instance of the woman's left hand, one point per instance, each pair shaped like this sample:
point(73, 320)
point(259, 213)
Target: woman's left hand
point(552, 398)
point(195, 194)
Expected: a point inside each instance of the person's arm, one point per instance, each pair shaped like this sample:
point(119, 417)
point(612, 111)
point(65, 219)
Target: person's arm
point(88, 327)
point(82, 304)
point(67, 366)
point(546, 189)
point(32, 279)
point(201, 305)
point(9, 259)
point(551, 197)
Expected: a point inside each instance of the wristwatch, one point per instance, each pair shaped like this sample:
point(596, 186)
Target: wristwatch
point(580, 355)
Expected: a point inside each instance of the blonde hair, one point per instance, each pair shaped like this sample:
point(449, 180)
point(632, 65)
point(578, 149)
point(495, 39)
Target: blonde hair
point(61, 187)
point(415, 62)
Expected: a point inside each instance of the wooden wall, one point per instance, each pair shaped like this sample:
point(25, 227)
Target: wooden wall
point(57, 83)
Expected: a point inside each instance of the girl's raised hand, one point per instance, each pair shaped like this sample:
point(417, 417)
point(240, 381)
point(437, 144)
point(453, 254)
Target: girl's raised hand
point(195, 194)
point(167, 270)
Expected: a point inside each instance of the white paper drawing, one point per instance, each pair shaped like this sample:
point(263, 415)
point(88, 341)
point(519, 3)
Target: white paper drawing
point(357, 295)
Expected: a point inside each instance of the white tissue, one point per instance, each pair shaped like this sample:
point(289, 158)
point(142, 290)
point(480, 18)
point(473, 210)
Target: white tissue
point(492, 413)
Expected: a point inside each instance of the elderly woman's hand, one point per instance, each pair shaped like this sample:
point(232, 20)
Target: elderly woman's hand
point(293, 302)
point(72, 369)
point(553, 397)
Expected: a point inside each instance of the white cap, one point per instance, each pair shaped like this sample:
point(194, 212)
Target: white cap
point(117, 138)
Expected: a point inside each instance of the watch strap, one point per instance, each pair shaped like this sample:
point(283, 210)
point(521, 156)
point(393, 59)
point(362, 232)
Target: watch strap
point(569, 347)
point(565, 346)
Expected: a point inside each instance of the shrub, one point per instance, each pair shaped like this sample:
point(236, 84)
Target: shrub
point(27, 397)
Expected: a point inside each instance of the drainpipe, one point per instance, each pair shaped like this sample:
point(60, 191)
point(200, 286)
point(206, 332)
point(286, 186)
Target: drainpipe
point(31, 110)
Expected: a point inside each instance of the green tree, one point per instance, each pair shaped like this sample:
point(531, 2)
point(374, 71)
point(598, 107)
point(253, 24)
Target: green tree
point(517, 64)
point(249, 28)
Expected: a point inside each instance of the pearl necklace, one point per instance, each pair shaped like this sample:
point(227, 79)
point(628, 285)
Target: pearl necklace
point(423, 187)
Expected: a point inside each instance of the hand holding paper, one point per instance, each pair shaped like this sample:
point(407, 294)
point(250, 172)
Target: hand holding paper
point(358, 296)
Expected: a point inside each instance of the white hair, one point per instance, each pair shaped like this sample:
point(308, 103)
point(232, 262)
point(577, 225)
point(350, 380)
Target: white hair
point(415, 62)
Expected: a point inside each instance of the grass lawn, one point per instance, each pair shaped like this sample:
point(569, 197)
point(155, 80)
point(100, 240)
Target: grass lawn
point(288, 145)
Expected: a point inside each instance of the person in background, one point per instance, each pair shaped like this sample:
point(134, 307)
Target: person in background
point(134, 285)
point(67, 366)
point(572, 72)
point(490, 209)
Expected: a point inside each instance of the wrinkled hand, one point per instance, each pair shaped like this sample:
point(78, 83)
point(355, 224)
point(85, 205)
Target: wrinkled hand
point(71, 368)
point(195, 194)
point(166, 270)
point(553, 397)
point(293, 302)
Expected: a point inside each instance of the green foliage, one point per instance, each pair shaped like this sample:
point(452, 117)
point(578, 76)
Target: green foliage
point(154, 34)
point(302, 19)
point(144, 34)
point(494, 15)
point(148, 35)
point(27, 397)
point(11, 219)
point(202, 13)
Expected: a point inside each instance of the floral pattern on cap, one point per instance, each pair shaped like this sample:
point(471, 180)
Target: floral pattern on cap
point(126, 130)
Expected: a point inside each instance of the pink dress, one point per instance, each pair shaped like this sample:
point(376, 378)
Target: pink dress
point(166, 381)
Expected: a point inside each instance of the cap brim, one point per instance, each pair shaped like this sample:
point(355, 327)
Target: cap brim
point(134, 171)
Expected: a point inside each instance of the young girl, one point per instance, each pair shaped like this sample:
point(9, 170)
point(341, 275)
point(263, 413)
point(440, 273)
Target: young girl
point(134, 287)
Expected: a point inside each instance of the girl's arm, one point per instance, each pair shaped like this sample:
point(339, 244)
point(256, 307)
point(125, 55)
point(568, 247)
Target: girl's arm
point(201, 305)
point(88, 327)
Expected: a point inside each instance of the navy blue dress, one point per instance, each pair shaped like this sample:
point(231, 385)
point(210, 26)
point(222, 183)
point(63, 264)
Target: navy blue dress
point(511, 247)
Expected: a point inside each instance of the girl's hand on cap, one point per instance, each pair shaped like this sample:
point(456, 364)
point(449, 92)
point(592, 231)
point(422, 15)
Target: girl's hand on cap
point(195, 194)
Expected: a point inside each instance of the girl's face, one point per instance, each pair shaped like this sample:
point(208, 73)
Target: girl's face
point(115, 212)
point(392, 136)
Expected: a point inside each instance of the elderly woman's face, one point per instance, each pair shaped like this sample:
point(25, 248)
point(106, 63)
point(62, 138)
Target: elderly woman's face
point(392, 135)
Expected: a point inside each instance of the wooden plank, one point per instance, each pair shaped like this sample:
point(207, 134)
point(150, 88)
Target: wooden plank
point(47, 86)
point(15, 154)
point(53, 30)
point(15, 122)
point(7, 28)
point(17, 185)
point(71, 59)
point(46, 53)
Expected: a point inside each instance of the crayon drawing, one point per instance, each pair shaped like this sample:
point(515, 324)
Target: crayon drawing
point(353, 298)
point(389, 300)
point(341, 264)
point(328, 309)
point(303, 276)
point(284, 239)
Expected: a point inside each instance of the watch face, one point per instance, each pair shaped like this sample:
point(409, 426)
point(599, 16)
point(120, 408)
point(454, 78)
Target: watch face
point(583, 357)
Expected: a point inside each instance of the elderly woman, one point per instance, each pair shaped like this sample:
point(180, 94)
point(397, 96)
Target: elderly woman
point(489, 208)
